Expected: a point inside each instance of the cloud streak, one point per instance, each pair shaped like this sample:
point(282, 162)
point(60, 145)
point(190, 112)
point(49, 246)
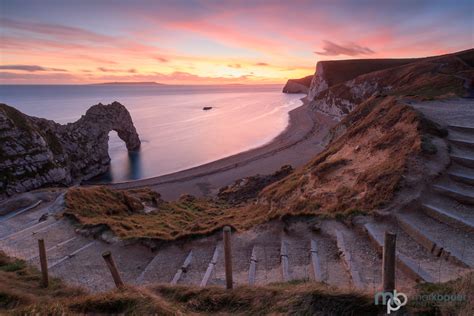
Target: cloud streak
point(103, 69)
point(349, 49)
point(30, 68)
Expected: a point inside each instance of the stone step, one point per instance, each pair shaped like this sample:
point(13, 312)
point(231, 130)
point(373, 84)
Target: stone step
point(210, 271)
point(452, 217)
point(55, 258)
point(463, 177)
point(462, 159)
point(461, 128)
point(332, 266)
point(25, 219)
point(25, 245)
point(87, 268)
point(412, 258)
point(465, 143)
point(19, 212)
point(268, 268)
point(202, 257)
point(253, 266)
point(349, 261)
point(404, 263)
point(26, 230)
point(241, 251)
point(182, 269)
point(316, 261)
point(439, 239)
point(456, 192)
point(298, 248)
point(361, 260)
point(164, 265)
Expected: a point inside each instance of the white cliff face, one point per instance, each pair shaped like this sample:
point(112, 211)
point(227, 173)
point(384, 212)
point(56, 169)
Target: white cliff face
point(294, 87)
point(36, 152)
point(340, 99)
point(319, 83)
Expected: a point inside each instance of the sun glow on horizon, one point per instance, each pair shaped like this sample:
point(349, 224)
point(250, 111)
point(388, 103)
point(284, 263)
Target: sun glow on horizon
point(184, 42)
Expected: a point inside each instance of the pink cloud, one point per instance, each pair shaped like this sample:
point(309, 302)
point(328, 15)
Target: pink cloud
point(349, 49)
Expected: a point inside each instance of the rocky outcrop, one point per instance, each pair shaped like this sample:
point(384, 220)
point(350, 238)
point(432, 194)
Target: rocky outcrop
point(35, 152)
point(298, 85)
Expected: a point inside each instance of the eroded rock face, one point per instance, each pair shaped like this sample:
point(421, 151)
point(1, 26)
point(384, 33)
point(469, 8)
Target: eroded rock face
point(339, 86)
point(318, 83)
point(36, 152)
point(298, 85)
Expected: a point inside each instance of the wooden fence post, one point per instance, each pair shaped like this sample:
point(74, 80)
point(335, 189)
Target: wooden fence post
point(113, 269)
point(389, 258)
point(43, 263)
point(228, 258)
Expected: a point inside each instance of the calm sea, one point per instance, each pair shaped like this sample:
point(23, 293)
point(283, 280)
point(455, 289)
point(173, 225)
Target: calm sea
point(176, 133)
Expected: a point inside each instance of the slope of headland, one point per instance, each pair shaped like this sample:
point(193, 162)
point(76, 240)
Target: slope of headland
point(298, 85)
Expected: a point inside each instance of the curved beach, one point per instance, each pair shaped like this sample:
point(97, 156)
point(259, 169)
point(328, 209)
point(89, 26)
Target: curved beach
point(297, 144)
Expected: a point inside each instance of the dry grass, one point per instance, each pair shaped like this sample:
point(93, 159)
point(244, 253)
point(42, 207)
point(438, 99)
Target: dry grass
point(186, 217)
point(296, 298)
point(21, 294)
point(20, 286)
point(360, 171)
point(461, 306)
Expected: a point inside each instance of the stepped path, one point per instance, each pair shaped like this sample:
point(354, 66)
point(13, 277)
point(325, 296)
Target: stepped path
point(434, 238)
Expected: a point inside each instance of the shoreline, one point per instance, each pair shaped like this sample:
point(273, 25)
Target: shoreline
point(292, 146)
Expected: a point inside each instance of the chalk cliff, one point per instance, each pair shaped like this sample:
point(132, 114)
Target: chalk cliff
point(36, 152)
point(298, 85)
point(338, 87)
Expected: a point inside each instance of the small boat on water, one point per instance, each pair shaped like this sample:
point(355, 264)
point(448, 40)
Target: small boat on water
point(207, 108)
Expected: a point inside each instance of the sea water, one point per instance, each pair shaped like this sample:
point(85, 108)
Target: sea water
point(175, 131)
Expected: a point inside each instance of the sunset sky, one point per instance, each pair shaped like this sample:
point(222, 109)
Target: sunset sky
point(205, 42)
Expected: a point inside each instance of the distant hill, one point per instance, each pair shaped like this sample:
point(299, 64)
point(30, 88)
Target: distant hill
point(144, 83)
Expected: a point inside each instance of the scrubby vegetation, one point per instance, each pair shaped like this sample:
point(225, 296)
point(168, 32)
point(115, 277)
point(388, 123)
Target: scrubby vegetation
point(360, 170)
point(126, 214)
point(20, 288)
point(451, 298)
point(22, 294)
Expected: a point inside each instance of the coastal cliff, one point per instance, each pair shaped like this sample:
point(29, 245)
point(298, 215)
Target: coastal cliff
point(36, 152)
point(298, 85)
point(339, 86)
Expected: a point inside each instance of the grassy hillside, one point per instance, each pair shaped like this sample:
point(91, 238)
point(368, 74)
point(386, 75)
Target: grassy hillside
point(339, 71)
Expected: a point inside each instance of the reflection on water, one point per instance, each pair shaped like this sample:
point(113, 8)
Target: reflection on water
point(176, 133)
point(133, 167)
